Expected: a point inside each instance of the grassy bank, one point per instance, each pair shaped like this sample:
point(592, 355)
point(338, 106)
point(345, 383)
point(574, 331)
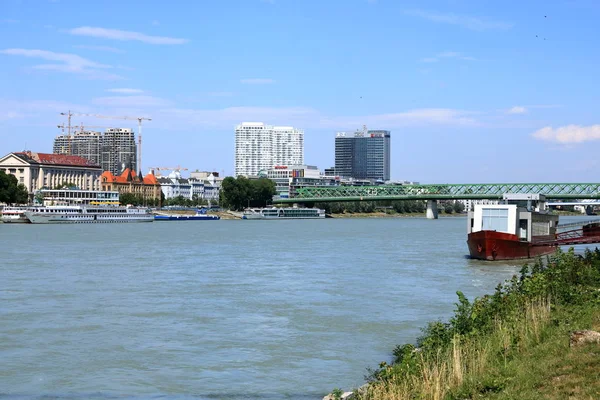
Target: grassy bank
point(513, 344)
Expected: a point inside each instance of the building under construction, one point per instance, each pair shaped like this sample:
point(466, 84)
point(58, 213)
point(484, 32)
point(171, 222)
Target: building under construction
point(85, 144)
point(114, 150)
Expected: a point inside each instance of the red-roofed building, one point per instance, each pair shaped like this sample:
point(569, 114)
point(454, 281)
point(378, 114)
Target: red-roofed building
point(41, 170)
point(147, 187)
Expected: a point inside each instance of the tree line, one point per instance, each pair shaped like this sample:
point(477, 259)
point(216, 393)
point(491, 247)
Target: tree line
point(239, 193)
point(11, 191)
point(388, 206)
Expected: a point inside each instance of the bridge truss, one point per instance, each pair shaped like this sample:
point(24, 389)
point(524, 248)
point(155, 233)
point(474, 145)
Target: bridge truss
point(557, 191)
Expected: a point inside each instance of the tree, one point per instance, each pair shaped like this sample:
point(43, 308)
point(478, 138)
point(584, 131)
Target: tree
point(239, 193)
point(459, 207)
point(11, 191)
point(39, 197)
point(235, 193)
point(128, 198)
point(448, 207)
point(66, 185)
point(263, 190)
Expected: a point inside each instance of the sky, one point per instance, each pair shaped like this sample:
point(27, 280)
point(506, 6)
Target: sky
point(472, 91)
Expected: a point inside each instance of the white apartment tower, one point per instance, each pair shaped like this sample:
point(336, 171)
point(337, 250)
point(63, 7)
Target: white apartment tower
point(260, 147)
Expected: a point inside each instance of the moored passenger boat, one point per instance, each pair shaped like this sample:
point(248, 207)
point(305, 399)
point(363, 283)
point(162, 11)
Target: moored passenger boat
point(87, 214)
point(283, 213)
point(14, 215)
point(200, 215)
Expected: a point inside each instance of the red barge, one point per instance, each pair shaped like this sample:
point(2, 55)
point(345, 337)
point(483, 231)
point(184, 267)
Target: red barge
point(522, 228)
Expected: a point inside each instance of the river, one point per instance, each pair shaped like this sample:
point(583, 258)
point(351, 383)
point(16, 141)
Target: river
point(222, 309)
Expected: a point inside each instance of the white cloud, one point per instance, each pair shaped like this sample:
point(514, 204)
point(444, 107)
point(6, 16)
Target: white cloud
point(70, 63)
point(447, 54)
point(125, 91)
point(568, 134)
point(71, 60)
point(257, 81)
point(469, 22)
point(517, 110)
point(100, 48)
point(117, 34)
point(131, 101)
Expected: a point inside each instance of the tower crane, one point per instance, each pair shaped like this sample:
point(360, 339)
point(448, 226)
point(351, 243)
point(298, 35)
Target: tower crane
point(82, 127)
point(139, 120)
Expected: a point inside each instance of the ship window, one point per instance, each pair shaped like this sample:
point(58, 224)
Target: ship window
point(494, 219)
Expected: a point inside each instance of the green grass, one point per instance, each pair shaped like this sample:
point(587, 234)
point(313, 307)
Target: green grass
point(552, 369)
point(513, 344)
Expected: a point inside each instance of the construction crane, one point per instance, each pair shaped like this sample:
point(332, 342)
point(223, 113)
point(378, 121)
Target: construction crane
point(82, 127)
point(139, 120)
point(158, 169)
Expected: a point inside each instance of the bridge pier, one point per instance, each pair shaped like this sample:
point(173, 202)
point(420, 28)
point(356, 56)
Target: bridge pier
point(432, 210)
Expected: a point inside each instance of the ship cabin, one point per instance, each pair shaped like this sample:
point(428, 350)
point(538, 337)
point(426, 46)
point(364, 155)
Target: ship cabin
point(523, 215)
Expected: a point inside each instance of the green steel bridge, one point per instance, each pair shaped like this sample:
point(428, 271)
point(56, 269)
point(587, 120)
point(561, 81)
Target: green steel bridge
point(492, 191)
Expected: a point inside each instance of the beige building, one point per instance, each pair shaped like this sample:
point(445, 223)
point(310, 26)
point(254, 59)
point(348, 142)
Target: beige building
point(40, 170)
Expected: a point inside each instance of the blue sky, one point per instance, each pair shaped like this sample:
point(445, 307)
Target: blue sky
point(473, 91)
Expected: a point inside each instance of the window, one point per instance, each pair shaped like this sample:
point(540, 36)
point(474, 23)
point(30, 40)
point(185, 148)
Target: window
point(494, 219)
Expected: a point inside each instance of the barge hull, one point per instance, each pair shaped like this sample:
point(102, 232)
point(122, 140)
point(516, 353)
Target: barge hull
point(492, 245)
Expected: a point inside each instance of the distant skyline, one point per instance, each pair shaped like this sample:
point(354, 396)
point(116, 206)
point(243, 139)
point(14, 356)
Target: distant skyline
point(471, 91)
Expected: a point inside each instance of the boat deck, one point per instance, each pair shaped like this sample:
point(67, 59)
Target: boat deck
point(576, 233)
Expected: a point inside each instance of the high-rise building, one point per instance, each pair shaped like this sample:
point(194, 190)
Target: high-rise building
point(114, 150)
point(119, 150)
point(260, 147)
point(363, 155)
point(84, 144)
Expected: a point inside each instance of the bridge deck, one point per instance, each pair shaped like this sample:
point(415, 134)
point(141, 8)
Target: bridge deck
point(495, 191)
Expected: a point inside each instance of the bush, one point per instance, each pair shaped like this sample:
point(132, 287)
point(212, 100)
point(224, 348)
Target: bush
point(496, 325)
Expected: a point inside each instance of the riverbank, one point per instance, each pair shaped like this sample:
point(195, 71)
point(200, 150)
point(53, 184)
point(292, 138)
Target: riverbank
point(521, 342)
point(220, 214)
point(389, 215)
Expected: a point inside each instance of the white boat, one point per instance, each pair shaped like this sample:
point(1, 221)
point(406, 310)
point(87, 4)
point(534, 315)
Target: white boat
point(87, 214)
point(283, 213)
point(14, 215)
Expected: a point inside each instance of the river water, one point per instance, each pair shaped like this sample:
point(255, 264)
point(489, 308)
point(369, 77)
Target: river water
point(222, 309)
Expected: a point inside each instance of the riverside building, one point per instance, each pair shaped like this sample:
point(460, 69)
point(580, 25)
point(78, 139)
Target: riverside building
point(200, 185)
point(259, 147)
point(40, 170)
point(147, 187)
point(363, 155)
point(288, 179)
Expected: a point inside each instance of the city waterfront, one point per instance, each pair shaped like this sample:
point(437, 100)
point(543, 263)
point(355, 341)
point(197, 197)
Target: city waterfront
point(265, 309)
